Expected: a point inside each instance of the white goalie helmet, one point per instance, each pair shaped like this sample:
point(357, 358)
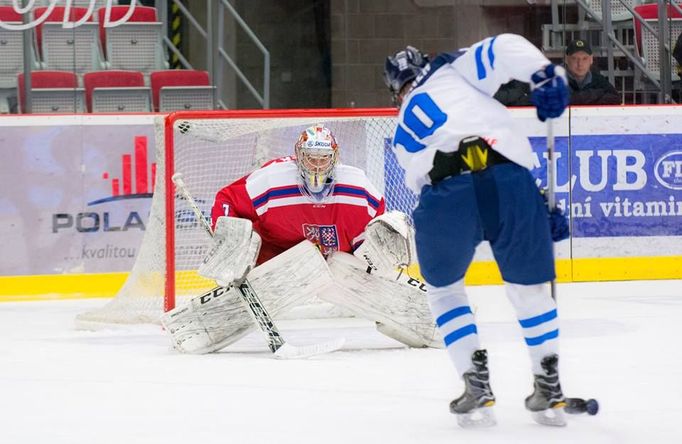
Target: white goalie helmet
point(316, 156)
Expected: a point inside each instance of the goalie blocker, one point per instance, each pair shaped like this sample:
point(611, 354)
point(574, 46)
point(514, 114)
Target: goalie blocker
point(234, 251)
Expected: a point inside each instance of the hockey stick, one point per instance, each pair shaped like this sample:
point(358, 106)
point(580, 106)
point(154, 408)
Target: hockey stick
point(551, 199)
point(573, 405)
point(276, 342)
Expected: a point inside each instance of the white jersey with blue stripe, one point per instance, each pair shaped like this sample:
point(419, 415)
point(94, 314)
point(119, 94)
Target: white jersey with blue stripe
point(452, 99)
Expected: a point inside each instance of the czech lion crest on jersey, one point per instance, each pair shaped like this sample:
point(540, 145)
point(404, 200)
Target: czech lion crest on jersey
point(324, 236)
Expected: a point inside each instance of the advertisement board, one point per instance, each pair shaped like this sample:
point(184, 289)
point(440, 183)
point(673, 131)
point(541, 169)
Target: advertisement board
point(76, 191)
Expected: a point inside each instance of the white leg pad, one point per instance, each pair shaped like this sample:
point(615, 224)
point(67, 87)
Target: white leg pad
point(399, 309)
point(297, 275)
point(220, 317)
point(208, 322)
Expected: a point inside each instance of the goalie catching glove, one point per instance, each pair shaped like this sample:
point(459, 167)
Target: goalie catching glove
point(389, 243)
point(234, 252)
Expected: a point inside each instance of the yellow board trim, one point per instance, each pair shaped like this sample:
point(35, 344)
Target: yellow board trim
point(627, 269)
point(61, 286)
point(487, 273)
point(85, 286)
point(586, 270)
point(103, 285)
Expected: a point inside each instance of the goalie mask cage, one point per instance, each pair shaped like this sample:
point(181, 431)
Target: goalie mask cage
point(212, 149)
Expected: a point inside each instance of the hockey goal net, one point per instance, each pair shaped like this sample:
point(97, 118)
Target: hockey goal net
point(211, 150)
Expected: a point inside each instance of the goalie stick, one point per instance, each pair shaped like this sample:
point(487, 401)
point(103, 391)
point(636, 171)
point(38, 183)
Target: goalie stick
point(276, 342)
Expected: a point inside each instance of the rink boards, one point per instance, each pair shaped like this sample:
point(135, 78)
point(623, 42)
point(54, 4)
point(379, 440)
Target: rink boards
point(77, 192)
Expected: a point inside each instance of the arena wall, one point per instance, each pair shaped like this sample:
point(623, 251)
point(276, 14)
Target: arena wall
point(77, 193)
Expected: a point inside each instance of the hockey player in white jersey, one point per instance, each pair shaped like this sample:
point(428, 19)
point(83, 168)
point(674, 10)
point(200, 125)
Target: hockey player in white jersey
point(469, 164)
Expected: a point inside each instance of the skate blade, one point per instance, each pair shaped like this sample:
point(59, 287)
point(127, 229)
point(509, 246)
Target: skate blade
point(478, 418)
point(554, 417)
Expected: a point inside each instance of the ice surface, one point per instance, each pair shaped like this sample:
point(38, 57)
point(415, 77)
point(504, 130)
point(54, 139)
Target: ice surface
point(619, 343)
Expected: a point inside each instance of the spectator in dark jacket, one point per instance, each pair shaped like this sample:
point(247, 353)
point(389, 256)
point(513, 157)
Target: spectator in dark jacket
point(587, 86)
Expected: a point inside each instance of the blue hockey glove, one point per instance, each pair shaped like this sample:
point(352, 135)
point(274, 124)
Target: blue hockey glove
point(558, 222)
point(549, 92)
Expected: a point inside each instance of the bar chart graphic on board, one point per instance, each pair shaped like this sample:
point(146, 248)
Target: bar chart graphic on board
point(137, 175)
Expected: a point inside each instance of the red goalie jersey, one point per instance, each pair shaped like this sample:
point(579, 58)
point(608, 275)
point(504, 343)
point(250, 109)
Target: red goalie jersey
point(283, 215)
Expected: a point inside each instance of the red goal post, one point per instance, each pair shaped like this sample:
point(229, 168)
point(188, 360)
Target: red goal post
point(212, 149)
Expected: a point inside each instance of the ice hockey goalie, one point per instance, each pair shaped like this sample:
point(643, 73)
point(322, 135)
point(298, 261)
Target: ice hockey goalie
point(260, 222)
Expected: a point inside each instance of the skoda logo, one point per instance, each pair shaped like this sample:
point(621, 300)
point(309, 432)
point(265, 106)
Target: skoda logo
point(668, 170)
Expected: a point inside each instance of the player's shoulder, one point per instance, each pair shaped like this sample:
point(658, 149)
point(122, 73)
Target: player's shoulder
point(440, 61)
point(278, 172)
point(348, 173)
point(351, 176)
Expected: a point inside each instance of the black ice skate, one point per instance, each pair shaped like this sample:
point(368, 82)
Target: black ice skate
point(547, 401)
point(474, 407)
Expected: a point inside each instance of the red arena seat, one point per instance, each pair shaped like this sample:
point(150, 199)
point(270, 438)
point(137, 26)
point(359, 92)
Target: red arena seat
point(181, 89)
point(646, 43)
point(11, 50)
point(75, 49)
point(55, 16)
point(135, 44)
point(116, 91)
point(8, 14)
point(52, 92)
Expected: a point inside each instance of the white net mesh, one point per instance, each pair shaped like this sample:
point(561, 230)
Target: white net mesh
point(211, 152)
